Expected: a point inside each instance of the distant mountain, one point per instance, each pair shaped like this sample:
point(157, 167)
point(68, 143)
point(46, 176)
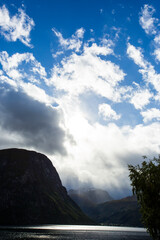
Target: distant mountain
point(94, 195)
point(87, 199)
point(123, 212)
point(31, 191)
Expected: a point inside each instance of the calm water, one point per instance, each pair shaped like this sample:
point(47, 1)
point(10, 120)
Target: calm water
point(68, 232)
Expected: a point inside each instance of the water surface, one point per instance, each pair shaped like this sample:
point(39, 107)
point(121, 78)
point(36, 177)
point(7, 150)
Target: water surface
point(70, 232)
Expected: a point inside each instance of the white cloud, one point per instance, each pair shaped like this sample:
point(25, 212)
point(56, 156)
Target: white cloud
point(37, 93)
point(80, 33)
point(151, 114)
point(157, 54)
point(14, 61)
point(88, 72)
point(157, 39)
point(136, 55)
point(146, 20)
point(14, 67)
point(107, 112)
point(98, 50)
point(17, 27)
point(141, 98)
point(150, 76)
point(104, 150)
point(157, 47)
point(38, 69)
point(101, 153)
point(15, 74)
point(5, 79)
point(151, 27)
point(157, 97)
point(54, 55)
point(73, 43)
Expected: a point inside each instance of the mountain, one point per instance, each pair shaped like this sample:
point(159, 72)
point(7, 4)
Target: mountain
point(96, 196)
point(123, 212)
point(87, 199)
point(31, 191)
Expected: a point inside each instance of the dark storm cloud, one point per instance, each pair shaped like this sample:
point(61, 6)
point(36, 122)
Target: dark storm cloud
point(36, 123)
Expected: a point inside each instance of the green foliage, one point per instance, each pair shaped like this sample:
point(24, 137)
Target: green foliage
point(145, 182)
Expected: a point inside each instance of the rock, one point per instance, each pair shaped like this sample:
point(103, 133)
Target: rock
point(31, 191)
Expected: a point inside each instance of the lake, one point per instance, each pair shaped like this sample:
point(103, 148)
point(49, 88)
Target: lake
point(76, 232)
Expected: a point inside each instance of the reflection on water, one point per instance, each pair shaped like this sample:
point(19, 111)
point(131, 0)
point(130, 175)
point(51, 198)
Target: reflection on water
point(76, 232)
point(90, 228)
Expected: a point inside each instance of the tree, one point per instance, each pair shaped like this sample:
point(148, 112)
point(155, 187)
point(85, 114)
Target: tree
point(145, 182)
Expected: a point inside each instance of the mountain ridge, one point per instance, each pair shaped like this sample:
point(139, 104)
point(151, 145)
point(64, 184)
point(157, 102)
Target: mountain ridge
point(121, 212)
point(94, 195)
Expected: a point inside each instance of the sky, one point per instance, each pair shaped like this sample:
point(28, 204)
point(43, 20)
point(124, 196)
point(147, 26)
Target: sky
point(80, 82)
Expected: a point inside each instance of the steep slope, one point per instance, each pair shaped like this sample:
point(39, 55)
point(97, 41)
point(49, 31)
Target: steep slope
point(31, 191)
point(86, 205)
point(123, 212)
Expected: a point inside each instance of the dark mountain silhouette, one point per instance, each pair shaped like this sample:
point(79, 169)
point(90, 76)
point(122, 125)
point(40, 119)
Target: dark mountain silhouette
point(32, 193)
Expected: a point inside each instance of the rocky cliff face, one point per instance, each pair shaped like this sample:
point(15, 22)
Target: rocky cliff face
point(31, 191)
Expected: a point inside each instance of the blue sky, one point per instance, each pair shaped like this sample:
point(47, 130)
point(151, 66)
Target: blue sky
point(80, 82)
